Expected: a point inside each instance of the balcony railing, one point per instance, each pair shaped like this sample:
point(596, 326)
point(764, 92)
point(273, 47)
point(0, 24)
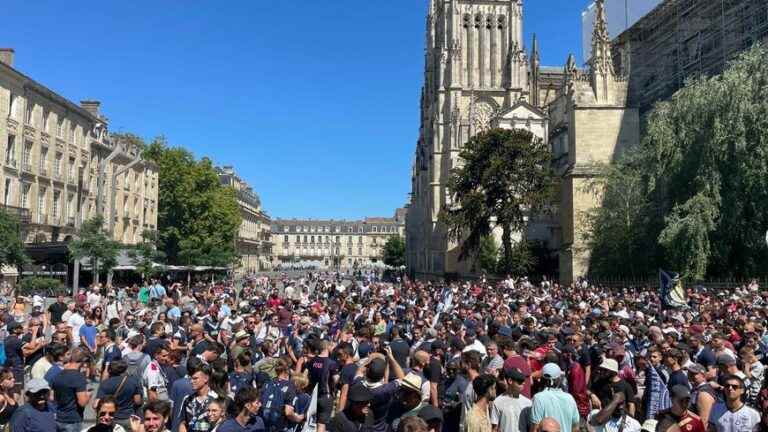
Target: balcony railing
point(26, 166)
point(22, 214)
point(11, 163)
point(44, 171)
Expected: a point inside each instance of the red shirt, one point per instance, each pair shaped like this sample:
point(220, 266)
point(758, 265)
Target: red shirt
point(691, 423)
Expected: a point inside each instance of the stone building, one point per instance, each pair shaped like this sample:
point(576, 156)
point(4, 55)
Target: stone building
point(61, 166)
point(680, 39)
point(478, 75)
point(254, 239)
point(335, 243)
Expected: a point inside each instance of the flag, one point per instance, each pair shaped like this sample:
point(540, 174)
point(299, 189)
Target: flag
point(671, 290)
point(310, 424)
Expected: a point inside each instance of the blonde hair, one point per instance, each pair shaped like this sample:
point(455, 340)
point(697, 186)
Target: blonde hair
point(300, 381)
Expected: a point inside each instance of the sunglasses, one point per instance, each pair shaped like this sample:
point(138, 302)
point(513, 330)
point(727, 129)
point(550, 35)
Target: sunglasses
point(732, 386)
point(107, 414)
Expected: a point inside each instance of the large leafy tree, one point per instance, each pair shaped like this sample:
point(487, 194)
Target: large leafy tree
point(146, 255)
point(504, 177)
point(394, 251)
point(699, 181)
point(198, 217)
point(96, 245)
point(11, 246)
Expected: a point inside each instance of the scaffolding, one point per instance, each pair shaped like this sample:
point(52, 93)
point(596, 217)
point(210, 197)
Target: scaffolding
point(681, 39)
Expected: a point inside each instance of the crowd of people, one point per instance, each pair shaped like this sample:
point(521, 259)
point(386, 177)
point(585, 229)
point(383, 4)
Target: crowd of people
point(315, 352)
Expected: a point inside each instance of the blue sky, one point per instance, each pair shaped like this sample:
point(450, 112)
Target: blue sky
point(315, 103)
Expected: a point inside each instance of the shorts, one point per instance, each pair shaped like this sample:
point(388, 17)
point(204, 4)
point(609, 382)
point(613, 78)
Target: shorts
point(324, 410)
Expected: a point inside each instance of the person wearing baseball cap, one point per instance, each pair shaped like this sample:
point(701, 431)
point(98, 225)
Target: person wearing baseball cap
point(508, 411)
point(357, 415)
point(554, 402)
point(678, 417)
point(607, 382)
point(37, 415)
point(703, 396)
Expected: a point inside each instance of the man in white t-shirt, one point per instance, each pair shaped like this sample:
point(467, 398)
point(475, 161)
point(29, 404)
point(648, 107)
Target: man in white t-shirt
point(75, 321)
point(738, 417)
point(94, 298)
point(510, 412)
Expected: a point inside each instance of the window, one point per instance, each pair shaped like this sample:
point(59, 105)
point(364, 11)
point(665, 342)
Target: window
point(375, 229)
point(71, 205)
point(72, 133)
point(10, 150)
point(28, 116)
point(71, 172)
point(25, 195)
point(46, 121)
point(27, 156)
point(312, 239)
point(286, 239)
point(44, 161)
point(41, 203)
point(57, 165)
point(56, 204)
point(60, 128)
point(7, 192)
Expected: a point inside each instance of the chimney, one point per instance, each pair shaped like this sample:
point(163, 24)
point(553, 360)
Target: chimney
point(91, 106)
point(6, 56)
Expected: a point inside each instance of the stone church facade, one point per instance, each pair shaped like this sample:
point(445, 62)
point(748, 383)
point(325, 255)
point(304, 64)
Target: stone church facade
point(478, 75)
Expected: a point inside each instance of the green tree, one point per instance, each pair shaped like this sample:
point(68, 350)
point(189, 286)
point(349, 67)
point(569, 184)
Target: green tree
point(699, 180)
point(146, 254)
point(505, 177)
point(95, 244)
point(488, 254)
point(11, 246)
point(198, 217)
point(394, 252)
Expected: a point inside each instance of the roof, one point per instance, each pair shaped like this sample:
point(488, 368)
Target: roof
point(50, 94)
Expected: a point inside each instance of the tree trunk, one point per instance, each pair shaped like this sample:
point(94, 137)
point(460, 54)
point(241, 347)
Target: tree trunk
point(95, 270)
point(506, 241)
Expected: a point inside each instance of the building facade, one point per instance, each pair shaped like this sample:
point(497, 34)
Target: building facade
point(680, 39)
point(478, 75)
point(335, 243)
point(254, 239)
point(61, 166)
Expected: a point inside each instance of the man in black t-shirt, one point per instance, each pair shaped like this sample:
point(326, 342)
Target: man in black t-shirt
point(56, 310)
point(14, 356)
point(70, 392)
point(323, 372)
point(400, 348)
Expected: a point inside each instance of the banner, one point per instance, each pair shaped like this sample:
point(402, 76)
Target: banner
point(310, 424)
point(671, 290)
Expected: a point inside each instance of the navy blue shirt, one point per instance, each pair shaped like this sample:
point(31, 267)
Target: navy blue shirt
point(29, 419)
point(66, 385)
point(256, 424)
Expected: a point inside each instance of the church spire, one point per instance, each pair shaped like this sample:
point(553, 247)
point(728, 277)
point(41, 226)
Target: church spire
point(601, 64)
point(535, 70)
point(602, 60)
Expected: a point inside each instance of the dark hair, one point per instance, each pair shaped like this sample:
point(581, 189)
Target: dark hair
point(483, 383)
point(135, 341)
point(473, 359)
point(117, 367)
point(56, 351)
point(105, 400)
point(346, 349)
point(245, 396)
point(194, 365)
point(162, 408)
point(412, 424)
point(111, 335)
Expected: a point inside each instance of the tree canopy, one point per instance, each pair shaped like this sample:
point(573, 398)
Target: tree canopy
point(146, 254)
point(96, 245)
point(11, 246)
point(692, 197)
point(198, 217)
point(504, 177)
point(394, 251)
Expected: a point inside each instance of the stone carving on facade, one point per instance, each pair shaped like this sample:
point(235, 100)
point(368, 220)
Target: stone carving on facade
point(482, 116)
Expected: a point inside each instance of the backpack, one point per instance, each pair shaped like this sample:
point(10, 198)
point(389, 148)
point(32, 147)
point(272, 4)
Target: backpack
point(137, 362)
point(273, 404)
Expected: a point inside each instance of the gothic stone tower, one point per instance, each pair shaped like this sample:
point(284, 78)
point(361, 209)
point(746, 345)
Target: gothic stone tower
point(477, 74)
point(591, 125)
